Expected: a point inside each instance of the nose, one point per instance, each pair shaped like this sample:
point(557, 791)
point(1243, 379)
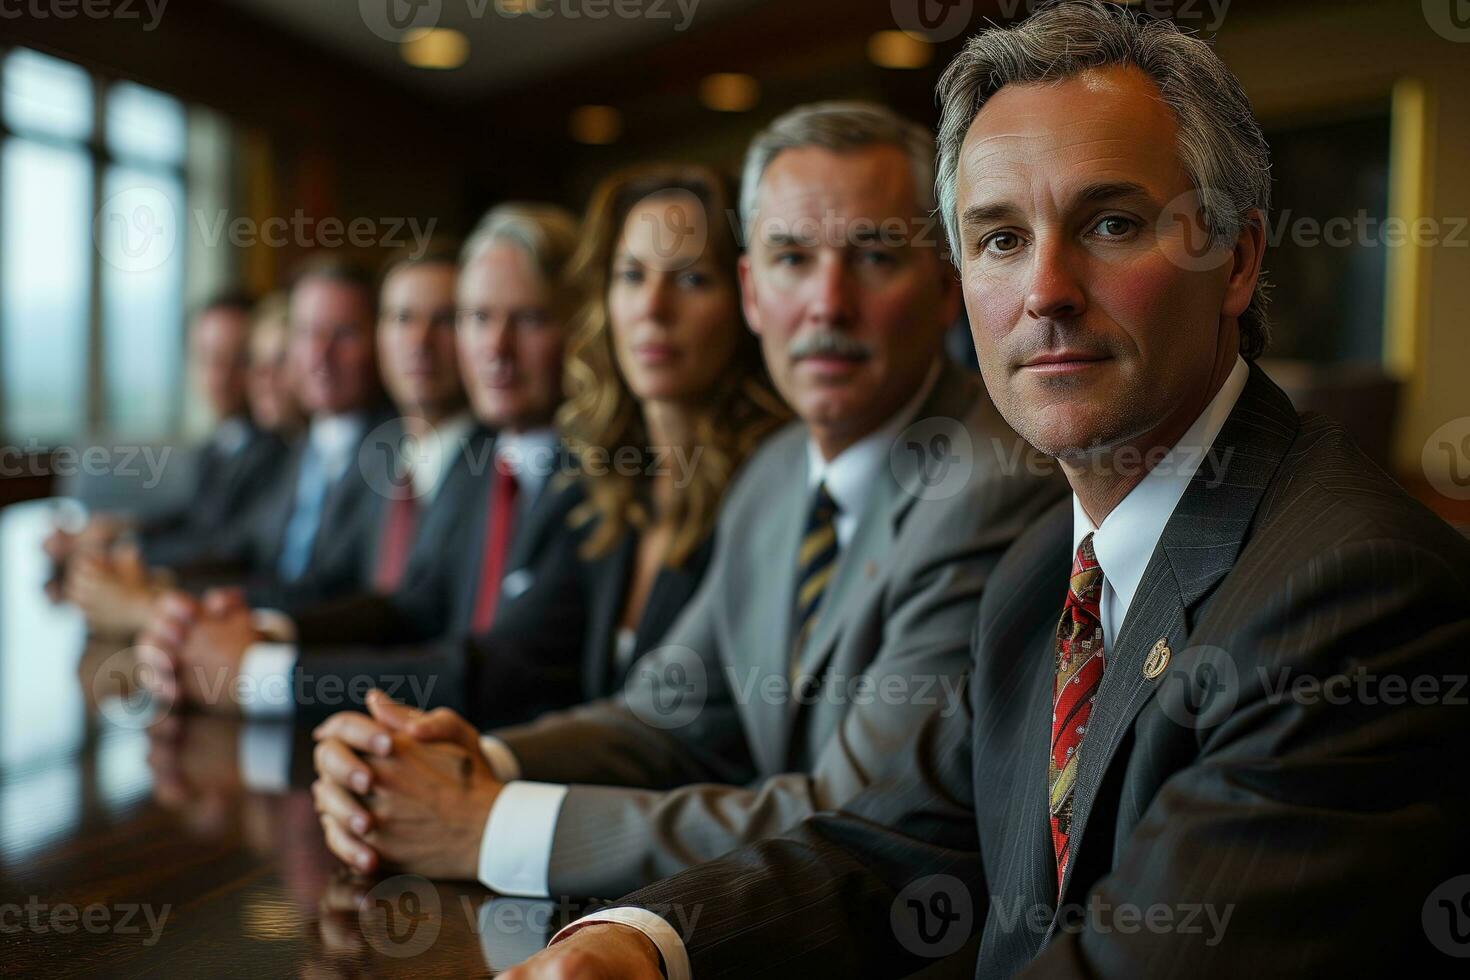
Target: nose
point(656, 299)
point(500, 339)
point(831, 297)
point(1055, 292)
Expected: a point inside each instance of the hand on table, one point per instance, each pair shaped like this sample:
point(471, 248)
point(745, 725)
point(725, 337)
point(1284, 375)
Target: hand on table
point(195, 648)
point(601, 951)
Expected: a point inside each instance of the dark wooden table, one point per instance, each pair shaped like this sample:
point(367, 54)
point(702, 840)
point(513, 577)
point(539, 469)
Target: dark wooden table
point(132, 846)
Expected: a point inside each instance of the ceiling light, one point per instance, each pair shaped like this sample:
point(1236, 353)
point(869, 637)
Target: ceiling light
point(436, 47)
point(596, 124)
point(898, 49)
point(729, 92)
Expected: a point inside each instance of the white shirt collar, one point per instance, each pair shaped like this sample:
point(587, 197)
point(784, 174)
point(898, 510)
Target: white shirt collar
point(435, 457)
point(1125, 542)
point(851, 475)
point(532, 456)
point(334, 439)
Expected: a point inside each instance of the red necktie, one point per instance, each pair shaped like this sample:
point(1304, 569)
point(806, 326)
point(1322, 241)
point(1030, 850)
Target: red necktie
point(1079, 672)
point(503, 492)
point(398, 533)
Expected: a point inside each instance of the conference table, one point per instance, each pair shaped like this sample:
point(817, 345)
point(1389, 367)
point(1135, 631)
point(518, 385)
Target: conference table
point(133, 842)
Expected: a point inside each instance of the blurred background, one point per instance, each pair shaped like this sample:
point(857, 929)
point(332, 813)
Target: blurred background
point(153, 152)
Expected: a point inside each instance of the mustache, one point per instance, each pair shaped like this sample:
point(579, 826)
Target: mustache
point(828, 343)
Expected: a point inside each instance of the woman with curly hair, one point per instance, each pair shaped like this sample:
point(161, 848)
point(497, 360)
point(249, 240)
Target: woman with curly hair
point(667, 395)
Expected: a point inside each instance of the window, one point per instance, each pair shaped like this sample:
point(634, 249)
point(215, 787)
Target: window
point(95, 253)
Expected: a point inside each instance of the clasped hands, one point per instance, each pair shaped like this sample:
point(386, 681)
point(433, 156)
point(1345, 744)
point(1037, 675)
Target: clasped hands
point(192, 648)
point(403, 789)
point(408, 790)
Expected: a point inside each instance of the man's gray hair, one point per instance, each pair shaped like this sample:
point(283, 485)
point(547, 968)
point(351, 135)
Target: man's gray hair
point(1220, 142)
point(838, 126)
point(545, 232)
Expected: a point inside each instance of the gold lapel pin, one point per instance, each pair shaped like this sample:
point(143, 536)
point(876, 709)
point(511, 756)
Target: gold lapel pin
point(1158, 659)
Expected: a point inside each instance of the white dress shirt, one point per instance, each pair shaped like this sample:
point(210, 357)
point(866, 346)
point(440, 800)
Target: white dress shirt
point(515, 850)
point(1124, 544)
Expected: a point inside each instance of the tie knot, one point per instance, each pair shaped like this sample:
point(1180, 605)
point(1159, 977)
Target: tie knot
point(1086, 572)
point(823, 506)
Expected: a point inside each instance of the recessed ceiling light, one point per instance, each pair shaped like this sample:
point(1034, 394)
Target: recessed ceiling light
point(898, 49)
point(435, 47)
point(729, 92)
point(596, 124)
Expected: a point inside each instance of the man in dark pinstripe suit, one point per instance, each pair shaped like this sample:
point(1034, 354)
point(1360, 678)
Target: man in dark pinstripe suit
point(1216, 721)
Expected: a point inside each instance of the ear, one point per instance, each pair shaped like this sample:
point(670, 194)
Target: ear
point(1245, 264)
point(748, 302)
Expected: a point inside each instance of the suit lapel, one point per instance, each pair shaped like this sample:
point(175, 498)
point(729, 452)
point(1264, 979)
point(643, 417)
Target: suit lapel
point(858, 564)
point(1199, 545)
point(611, 576)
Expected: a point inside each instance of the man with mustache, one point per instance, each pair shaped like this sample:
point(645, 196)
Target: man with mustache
point(1132, 790)
point(838, 602)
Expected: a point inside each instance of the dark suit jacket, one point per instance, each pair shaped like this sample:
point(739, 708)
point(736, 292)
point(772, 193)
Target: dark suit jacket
point(416, 644)
point(222, 486)
point(248, 550)
point(1319, 826)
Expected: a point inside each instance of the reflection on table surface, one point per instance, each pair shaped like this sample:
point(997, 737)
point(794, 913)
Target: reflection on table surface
point(133, 843)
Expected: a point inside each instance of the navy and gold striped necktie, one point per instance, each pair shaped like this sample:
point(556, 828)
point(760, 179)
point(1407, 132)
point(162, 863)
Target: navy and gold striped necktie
point(814, 564)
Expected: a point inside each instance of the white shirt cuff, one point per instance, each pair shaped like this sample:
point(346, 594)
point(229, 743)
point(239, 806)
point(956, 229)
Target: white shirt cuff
point(501, 759)
point(658, 931)
point(265, 757)
point(515, 851)
point(264, 683)
point(274, 624)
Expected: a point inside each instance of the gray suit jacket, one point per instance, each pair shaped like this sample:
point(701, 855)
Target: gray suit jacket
point(707, 748)
point(1284, 796)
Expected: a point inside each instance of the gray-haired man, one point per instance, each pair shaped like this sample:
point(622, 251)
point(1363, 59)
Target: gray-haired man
point(1150, 778)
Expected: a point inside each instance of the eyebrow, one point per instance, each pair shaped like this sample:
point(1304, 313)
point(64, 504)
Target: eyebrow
point(981, 214)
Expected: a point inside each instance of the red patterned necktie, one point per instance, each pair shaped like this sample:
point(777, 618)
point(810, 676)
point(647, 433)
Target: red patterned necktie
point(1079, 673)
point(503, 492)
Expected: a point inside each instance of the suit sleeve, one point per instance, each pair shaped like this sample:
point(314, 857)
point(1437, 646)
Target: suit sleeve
point(1285, 842)
point(842, 893)
point(674, 723)
point(612, 840)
